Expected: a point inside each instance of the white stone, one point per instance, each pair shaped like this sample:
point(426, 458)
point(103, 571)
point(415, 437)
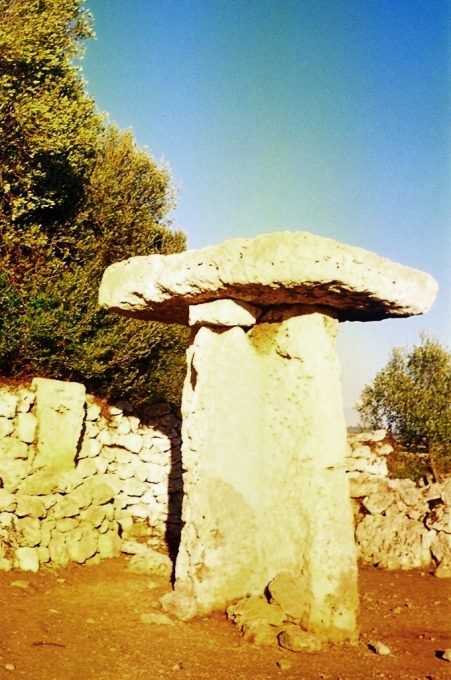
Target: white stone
point(11, 447)
point(86, 468)
point(29, 530)
point(81, 544)
point(125, 471)
point(131, 442)
point(133, 487)
point(115, 411)
point(223, 313)
point(27, 559)
point(26, 399)
point(31, 506)
point(8, 501)
point(66, 524)
point(58, 549)
point(156, 473)
point(92, 411)
point(123, 427)
point(109, 544)
point(134, 423)
point(123, 457)
point(140, 510)
point(105, 437)
point(272, 269)
point(6, 519)
point(378, 502)
point(60, 410)
point(26, 427)
point(67, 507)
point(12, 472)
point(132, 547)
point(43, 554)
point(91, 430)
point(264, 458)
point(90, 448)
point(101, 465)
point(47, 526)
point(6, 427)
point(8, 404)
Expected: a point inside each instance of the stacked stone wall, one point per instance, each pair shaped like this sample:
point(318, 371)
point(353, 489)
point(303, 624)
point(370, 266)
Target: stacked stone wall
point(115, 485)
point(399, 524)
point(104, 482)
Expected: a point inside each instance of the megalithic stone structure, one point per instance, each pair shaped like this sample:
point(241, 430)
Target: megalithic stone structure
point(266, 510)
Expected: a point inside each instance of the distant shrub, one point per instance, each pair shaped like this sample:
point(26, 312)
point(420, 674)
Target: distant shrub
point(410, 397)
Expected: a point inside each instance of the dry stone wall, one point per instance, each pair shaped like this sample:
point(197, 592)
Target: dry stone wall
point(116, 485)
point(399, 524)
point(120, 489)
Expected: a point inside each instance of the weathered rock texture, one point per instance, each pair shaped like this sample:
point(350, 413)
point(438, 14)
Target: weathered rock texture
point(59, 414)
point(120, 489)
point(399, 524)
point(273, 269)
point(256, 453)
point(266, 506)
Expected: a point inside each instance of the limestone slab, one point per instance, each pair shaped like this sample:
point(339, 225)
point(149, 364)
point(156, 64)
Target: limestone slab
point(223, 313)
point(273, 269)
point(265, 488)
point(60, 415)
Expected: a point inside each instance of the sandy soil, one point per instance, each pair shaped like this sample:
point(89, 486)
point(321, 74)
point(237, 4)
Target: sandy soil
point(85, 623)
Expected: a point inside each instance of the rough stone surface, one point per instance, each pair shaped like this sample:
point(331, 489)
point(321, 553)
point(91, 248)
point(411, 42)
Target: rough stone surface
point(393, 542)
point(8, 404)
point(258, 621)
point(26, 427)
point(297, 640)
point(256, 454)
point(66, 515)
point(223, 313)
point(150, 562)
point(60, 414)
point(27, 559)
point(272, 269)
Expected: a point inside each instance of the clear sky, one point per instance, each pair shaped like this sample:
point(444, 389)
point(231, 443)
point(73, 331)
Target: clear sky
point(327, 116)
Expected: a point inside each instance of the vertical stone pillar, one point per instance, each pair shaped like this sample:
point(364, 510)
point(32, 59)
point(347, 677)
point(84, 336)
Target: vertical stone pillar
point(266, 498)
point(60, 411)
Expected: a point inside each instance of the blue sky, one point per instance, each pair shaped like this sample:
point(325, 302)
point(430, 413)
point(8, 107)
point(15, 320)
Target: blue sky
point(327, 116)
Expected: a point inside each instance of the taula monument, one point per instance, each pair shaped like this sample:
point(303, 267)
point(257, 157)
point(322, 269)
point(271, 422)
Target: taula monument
point(267, 520)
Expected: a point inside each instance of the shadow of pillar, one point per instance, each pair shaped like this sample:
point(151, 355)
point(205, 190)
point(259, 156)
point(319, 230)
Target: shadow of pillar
point(175, 493)
point(166, 422)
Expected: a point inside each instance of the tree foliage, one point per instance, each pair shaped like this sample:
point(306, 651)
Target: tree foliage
point(411, 396)
point(76, 194)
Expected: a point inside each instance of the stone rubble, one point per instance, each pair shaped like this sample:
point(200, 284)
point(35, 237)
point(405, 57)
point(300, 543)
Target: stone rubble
point(82, 497)
point(399, 524)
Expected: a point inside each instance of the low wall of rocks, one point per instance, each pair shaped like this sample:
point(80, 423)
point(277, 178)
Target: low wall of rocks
point(399, 524)
point(78, 484)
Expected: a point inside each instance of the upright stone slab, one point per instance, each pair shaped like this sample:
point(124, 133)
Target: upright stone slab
point(264, 441)
point(266, 507)
point(60, 413)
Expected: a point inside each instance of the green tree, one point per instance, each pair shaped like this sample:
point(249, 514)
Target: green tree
point(411, 397)
point(76, 194)
point(48, 125)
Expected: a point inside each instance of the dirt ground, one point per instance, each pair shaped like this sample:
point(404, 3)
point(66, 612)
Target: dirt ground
point(85, 622)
